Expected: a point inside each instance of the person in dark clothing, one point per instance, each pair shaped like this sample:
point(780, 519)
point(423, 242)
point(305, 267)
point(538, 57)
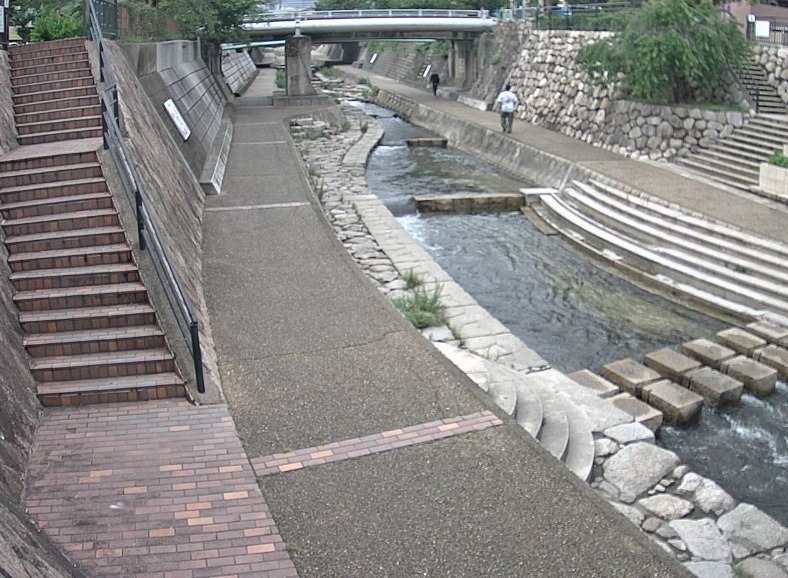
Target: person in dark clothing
point(435, 81)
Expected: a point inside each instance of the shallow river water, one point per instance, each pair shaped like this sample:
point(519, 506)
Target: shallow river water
point(573, 314)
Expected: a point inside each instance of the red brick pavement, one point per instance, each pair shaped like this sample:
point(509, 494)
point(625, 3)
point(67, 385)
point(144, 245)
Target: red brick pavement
point(152, 490)
point(373, 444)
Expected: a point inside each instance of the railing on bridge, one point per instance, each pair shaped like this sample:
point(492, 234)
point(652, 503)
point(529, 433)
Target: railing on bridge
point(342, 14)
point(150, 238)
point(573, 17)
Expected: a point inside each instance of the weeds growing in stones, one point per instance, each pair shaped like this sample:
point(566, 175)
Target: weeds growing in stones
point(412, 279)
point(423, 309)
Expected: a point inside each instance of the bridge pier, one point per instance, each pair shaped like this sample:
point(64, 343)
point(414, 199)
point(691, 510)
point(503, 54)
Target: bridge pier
point(298, 66)
point(463, 67)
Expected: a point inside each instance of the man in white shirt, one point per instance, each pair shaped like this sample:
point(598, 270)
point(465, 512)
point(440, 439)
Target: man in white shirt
point(508, 101)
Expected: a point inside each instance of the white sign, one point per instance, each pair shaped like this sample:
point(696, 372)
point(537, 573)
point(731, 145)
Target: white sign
point(762, 29)
point(5, 3)
point(2, 20)
point(177, 119)
point(750, 17)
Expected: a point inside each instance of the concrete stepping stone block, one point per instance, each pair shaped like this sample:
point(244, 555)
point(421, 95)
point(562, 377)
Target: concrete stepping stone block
point(740, 340)
point(630, 375)
point(715, 387)
point(759, 379)
point(671, 365)
point(771, 332)
point(678, 404)
point(708, 352)
point(598, 385)
point(642, 412)
point(775, 357)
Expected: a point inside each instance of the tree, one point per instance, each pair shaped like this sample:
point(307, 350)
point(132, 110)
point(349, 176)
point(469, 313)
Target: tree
point(669, 51)
point(213, 20)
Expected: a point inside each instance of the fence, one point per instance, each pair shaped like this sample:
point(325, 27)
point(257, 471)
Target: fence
point(150, 239)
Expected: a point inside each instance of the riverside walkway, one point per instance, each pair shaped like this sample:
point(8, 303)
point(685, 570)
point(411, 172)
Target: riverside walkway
point(317, 367)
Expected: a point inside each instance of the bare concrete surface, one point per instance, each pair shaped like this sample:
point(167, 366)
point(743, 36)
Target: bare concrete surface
point(310, 353)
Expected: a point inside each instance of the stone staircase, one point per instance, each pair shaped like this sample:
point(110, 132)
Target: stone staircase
point(765, 98)
point(735, 160)
point(661, 247)
point(90, 329)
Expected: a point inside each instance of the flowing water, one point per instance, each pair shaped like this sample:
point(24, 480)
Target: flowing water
point(573, 314)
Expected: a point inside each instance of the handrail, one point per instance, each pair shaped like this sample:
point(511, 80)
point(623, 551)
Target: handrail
point(395, 13)
point(149, 237)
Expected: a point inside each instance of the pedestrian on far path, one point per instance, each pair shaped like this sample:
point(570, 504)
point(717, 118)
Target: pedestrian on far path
point(508, 102)
point(435, 81)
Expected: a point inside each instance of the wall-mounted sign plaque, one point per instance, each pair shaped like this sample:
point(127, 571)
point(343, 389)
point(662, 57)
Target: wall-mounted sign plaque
point(177, 119)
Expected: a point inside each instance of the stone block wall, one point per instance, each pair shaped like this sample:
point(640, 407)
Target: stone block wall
point(7, 125)
point(774, 59)
point(555, 91)
point(174, 70)
point(238, 70)
point(175, 198)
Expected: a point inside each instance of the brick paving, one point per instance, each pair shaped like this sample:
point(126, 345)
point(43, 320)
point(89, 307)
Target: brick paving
point(152, 490)
point(373, 444)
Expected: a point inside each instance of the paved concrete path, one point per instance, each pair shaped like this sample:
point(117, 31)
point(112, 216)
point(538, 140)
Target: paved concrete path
point(668, 182)
point(377, 456)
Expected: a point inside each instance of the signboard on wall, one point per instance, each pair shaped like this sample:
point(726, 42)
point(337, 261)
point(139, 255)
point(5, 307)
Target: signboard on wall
point(177, 119)
point(762, 29)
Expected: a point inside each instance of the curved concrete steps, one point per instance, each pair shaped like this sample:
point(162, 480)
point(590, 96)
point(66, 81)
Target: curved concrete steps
point(552, 408)
point(728, 270)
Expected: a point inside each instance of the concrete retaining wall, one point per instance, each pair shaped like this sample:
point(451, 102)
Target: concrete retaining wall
point(176, 200)
point(174, 70)
point(7, 124)
point(239, 71)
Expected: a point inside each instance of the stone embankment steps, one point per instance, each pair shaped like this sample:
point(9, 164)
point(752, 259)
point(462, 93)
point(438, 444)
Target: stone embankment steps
point(765, 97)
point(735, 160)
point(733, 272)
point(90, 328)
point(55, 97)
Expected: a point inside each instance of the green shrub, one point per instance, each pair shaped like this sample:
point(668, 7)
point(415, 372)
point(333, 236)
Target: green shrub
point(280, 78)
point(779, 159)
point(422, 309)
point(56, 27)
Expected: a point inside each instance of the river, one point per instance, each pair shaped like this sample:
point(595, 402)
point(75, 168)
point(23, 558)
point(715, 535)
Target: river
point(575, 315)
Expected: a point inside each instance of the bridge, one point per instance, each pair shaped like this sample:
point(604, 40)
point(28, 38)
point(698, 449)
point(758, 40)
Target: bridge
point(300, 29)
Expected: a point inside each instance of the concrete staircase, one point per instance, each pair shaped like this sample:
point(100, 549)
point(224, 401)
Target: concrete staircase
point(661, 247)
point(735, 160)
point(90, 328)
point(766, 100)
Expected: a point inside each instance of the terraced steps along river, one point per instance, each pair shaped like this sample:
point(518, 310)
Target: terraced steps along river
point(728, 271)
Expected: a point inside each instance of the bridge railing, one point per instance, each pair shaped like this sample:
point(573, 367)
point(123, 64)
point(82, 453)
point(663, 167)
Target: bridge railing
point(573, 17)
point(150, 238)
point(341, 14)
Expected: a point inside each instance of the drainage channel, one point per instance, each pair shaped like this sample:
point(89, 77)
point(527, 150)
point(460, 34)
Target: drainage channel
point(573, 314)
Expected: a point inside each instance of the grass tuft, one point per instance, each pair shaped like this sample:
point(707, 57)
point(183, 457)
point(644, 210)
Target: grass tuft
point(423, 309)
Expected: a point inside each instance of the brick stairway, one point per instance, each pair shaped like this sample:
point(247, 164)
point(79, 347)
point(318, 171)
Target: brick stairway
point(90, 328)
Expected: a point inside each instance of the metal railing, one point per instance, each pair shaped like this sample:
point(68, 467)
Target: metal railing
point(106, 13)
point(778, 31)
point(342, 14)
point(149, 236)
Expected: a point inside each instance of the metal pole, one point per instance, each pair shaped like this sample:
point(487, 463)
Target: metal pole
point(140, 223)
point(194, 330)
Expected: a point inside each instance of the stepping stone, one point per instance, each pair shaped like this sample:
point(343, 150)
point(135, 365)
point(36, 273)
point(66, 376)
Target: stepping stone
point(630, 375)
point(759, 379)
point(598, 385)
point(770, 332)
point(708, 352)
point(775, 357)
point(642, 412)
point(715, 387)
point(740, 340)
point(678, 404)
point(671, 365)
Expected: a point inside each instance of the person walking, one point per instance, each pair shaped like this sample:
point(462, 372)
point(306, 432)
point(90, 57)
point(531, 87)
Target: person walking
point(508, 102)
point(435, 81)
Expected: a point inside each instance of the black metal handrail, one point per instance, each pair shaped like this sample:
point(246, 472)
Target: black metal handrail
point(149, 237)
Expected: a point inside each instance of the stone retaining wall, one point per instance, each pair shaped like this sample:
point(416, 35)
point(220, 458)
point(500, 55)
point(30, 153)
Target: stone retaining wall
point(774, 59)
point(7, 125)
point(176, 201)
point(238, 70)
point(174, 70)
point(553, 89)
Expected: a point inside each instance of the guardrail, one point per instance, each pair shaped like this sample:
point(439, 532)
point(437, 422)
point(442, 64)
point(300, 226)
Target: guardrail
point(341, 14)
point(150, 239)
point(778, 31)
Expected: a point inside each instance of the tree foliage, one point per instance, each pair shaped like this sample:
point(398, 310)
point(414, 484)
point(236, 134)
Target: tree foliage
point(669, 51)
point(213, 20)
point(55, 18)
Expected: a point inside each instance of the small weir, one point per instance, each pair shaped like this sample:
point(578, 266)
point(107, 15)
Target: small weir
point(572, 313)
